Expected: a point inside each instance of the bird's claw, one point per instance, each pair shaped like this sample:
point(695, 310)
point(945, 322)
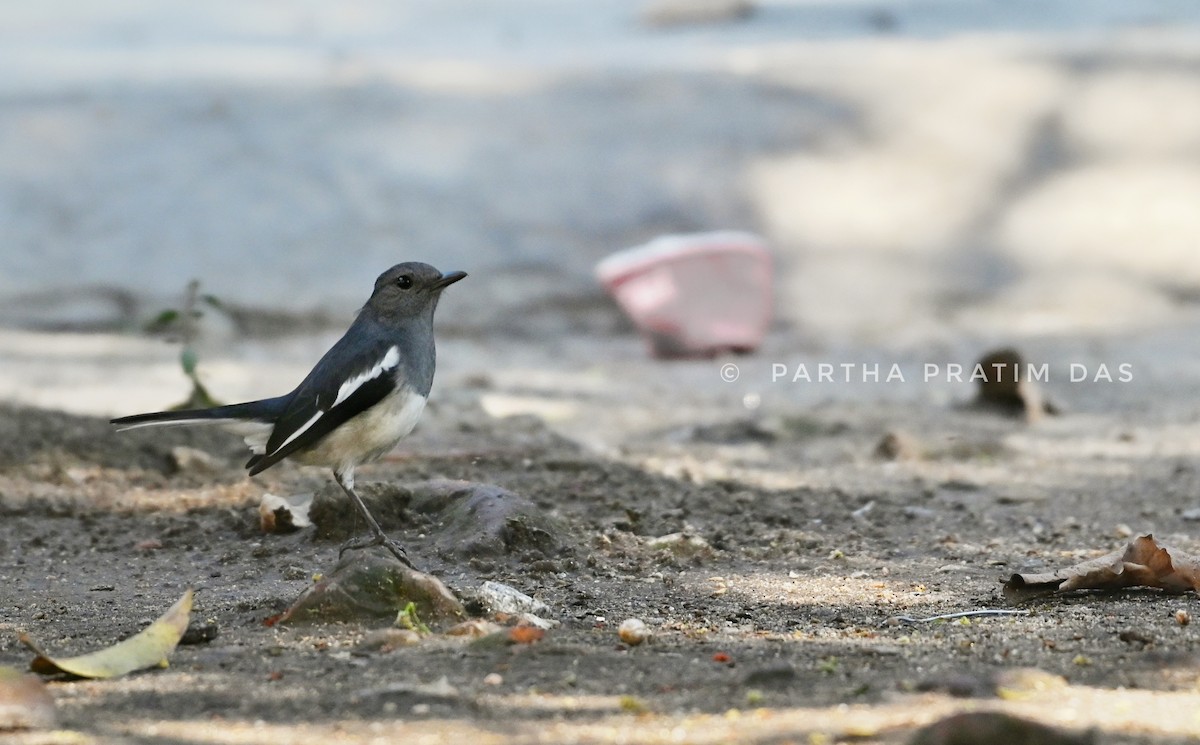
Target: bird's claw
point(361, 542)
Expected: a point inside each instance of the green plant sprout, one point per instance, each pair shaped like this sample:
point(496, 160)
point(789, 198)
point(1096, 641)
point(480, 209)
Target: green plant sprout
point(408, 619)
point(181, 325)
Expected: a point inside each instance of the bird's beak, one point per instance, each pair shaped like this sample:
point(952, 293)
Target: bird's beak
point(448, 279)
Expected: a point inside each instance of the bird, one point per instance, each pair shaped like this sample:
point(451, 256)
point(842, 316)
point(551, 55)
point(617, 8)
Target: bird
point(360, 399)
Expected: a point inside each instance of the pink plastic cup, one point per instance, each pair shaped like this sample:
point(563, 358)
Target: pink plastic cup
point(694, 295)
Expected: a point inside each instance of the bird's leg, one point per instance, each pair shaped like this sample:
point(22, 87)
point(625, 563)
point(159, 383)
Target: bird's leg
point(345, 480)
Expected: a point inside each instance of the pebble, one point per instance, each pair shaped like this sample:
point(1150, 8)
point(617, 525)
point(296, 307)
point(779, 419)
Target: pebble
point(897, 445)
point(633, 631)
point(385, 640)
point(500, 598)
point(529, 619)
point(681, 545)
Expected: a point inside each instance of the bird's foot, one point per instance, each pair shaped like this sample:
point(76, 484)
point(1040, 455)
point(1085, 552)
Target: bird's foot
point(368, 541)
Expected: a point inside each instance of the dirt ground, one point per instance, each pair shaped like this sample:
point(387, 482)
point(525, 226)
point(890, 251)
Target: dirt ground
point(935, 178)
point(783, 629)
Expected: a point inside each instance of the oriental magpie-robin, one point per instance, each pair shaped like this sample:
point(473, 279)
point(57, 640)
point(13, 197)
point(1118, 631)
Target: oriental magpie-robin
point(362, 397)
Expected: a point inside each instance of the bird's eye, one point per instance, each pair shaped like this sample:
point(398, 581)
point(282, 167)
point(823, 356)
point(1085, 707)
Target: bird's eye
point(404, 281)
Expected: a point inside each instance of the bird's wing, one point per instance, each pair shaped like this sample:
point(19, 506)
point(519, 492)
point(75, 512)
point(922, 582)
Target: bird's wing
point(351, 378)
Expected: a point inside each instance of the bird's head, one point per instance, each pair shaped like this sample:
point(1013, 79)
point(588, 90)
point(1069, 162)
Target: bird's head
point(409, 290)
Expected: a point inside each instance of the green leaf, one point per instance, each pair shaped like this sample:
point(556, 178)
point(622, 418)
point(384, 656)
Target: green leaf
point(187, 358)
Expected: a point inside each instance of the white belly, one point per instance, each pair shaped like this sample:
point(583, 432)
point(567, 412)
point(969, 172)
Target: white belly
point(369, 435)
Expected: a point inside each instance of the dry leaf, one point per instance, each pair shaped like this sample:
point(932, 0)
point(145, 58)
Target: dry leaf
point(148, 648)
point(1006, 385)
point(525, 634)
point(1143, 563)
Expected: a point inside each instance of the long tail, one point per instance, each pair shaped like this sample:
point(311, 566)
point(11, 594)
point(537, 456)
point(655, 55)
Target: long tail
point(264, 411)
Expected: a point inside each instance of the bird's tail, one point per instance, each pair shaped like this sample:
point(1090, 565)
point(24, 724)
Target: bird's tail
point(251, 411)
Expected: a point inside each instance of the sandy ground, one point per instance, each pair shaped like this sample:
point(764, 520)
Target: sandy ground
point(937, 179)
point(815, 544)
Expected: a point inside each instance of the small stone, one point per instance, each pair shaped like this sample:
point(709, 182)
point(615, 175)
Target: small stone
point(955, 568)
point(200, 632)
point(633, 631)
point(897, 445)
point(1182, 617)
point(295, 572)
point(1191, 514)
point(682, 545)
point(528, 619)
point(500, 598)
point(493, 679)
point(475, 628)
point(386, 640)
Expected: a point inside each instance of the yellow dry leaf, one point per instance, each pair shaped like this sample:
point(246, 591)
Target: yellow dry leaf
point(148, 648)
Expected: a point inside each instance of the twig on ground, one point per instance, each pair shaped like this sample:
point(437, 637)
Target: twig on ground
point(893, 620)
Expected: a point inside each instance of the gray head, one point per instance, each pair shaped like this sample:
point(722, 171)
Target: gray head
point(408, 290)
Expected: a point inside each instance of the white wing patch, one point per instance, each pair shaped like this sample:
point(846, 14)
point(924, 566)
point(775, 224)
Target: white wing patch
point(299, 430)
point(390, 360)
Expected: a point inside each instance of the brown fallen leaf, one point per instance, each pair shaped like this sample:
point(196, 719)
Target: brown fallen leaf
point(525, 634)
point(148, 648)
point(1143, 563)
point(1006, 385)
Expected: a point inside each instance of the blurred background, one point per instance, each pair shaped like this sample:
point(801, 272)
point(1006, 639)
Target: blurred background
point(931, 174)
